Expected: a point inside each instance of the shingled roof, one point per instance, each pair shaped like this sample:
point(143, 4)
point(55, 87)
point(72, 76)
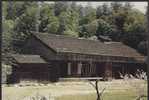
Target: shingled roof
point(19, 58)
point(67, 44)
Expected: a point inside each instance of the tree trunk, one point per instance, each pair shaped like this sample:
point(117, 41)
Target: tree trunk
point(97, 91)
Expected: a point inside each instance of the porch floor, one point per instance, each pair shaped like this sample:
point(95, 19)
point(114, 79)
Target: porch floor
point(80, 78)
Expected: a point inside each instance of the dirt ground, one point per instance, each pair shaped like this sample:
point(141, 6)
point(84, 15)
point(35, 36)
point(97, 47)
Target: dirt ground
point(22, 91)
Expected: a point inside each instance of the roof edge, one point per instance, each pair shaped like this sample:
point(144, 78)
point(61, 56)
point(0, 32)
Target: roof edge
point(34, 35)
point(14, 56)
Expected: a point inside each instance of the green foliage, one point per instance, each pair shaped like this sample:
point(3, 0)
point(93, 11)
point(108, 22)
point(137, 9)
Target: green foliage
point(132, 39)
point(116, 6)
point(7, 35)
point(27, 21)
point(4, 9)
point(24, 23)
point(135, 23)
point(89, 14)
point(142, 47)
point(104, 28)
point(16, 9)
point(7, 39)
point(83, 32)
point(53, 25)
point(48, 22)
point(92, 27)
point(103, 11)
point(89, 30)
point(68, 21)
point(119, 21)
point(60, 7)
point(6, 70)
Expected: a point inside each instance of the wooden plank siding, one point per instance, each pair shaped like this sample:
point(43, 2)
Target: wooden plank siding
point(36, 47)
point(101, 58)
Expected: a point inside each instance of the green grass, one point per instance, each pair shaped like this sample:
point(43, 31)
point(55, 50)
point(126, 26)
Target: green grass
point(73, 91)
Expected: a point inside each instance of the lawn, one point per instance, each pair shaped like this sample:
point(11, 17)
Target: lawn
point(115, 90)
point(106, 96)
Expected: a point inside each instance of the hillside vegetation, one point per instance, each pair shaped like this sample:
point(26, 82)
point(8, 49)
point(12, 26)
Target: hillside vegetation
point(120, 22)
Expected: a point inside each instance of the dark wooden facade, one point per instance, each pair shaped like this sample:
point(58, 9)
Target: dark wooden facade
point(67, 62)
point(31, 72)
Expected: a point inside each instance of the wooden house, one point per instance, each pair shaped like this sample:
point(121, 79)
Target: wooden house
point(67, 56)
point(29, 67)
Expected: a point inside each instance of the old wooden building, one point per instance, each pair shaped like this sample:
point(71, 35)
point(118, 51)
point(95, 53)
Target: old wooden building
point(29, 67)
point(66, 56)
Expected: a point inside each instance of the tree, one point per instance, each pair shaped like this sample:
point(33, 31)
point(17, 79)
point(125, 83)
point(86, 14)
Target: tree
point(106, 10)
point(88, 30)
point(99, 12)
point(68, 21)
point(124, 17)
point(142, 47)
point(24, 24)
point(96, 87)
point(116, 6)
point(53, 25)
point(103, 12)
point(60, 7)
point(89, 14)
point(92, 27)
point(135, 22)
point(48, 21)
point(119, 21)
point(83, 32)
point(7, 35)
point(7, 39)
point(27, 21)
point(74, 6)
point(104, 28)
point(4, 9)
point(16, 9)
point(134, 29)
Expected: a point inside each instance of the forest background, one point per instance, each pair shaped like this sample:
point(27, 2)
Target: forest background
point(118, 21)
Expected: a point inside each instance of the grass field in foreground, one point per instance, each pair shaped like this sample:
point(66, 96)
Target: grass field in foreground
point(106, 96)
point(117, 90)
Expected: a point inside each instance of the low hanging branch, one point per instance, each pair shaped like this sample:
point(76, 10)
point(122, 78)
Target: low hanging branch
point(99, 94)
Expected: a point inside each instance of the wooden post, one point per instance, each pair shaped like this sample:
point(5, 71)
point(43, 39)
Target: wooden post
point(79, 68)
point(90, 67)
point(69, 68)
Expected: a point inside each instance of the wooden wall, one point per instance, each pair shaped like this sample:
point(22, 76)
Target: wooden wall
point(31, 72)
point(36, 47)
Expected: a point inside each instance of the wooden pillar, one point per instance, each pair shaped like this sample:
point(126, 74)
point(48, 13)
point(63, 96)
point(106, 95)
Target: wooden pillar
point(108, 71)
point(69, 68)
point(79, 68)
point(124, 71)
point(90, 68)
